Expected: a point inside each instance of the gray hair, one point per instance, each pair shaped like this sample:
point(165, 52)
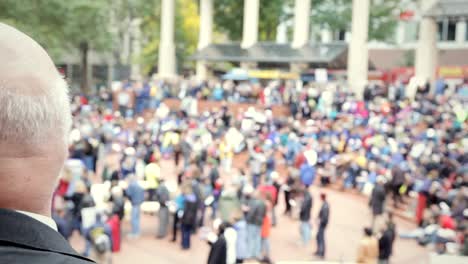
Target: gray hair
point(34, 118)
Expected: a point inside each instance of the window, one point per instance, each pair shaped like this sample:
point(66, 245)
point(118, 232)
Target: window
point(446, 30)
point(341, 35)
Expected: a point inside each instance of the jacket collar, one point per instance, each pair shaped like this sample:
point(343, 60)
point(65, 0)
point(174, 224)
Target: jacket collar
point(20, 229)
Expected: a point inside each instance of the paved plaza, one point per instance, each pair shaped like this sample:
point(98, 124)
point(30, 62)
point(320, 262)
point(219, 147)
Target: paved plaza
point(349, 214)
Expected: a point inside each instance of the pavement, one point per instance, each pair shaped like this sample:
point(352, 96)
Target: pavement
point(349, 214)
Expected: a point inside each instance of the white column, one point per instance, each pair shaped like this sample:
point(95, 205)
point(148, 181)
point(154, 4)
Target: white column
point(358, 53)
point(167, 60)
point(206, 23)
point(400, 33)
point(301, 23)
point(326, 35)
point(205, 35)
point(461, 31)
point(426, 50)
point(124, 57)
point(347, 37)
point(135, 69)
point(250, 23)
point(282, 33)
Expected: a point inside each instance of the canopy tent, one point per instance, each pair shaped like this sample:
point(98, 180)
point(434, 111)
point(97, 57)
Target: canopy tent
point(330, 55)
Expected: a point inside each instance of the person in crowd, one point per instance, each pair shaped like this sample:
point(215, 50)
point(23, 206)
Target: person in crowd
point(323, 218)
point(218, 252)
point(152, 175)
point(304, 216)
point(99, 234)
point(385, 244)
point(240, 226)
point(136, 195)
point(266, 230)
point(377, 200)
point(163, 197)
point(189, 217)
point(368, 251)
point(118, 202)
point(226, 154)
point(35, 120)
point(62, 219)
point(255, 213)
point(228, 203)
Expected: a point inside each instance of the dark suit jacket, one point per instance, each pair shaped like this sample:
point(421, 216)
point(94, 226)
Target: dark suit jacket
point(26, 240)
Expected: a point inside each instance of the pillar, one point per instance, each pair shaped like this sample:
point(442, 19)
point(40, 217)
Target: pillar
point(167, 59)
point(460, 36)
point(301, 23)
point(250, 23)
point(400, 33)
point(124, 57)
point(135, 69)
point(426, 50)
point(205, 35)
point(326, 35)
point(282, 33)
point(358, 53)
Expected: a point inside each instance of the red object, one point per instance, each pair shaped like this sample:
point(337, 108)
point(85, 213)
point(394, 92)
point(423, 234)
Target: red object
point(446, 221)
point(406, 15)
point(266, 227)
point(300, 159)
point(114, 223)
point(62, 187)
point(83, 100)
point(422, 200)
point(268, 189)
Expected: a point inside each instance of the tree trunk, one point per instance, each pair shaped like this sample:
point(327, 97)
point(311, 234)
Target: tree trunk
point(84, 48)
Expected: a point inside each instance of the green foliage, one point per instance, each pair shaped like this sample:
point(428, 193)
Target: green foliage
point(337, 15)
point(228, 18)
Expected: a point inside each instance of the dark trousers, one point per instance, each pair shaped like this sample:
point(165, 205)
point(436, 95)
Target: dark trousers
point(186, 233)
point(287, 197)
point(177, 157)
point(152, 194)
point(321, 241)
point(175, 222)
point(397, 199)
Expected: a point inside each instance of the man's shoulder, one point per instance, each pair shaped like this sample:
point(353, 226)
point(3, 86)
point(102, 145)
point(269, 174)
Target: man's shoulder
point(11, 253)
point(23, 238)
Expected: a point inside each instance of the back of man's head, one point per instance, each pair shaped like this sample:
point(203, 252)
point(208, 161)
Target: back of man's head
point(34, 122)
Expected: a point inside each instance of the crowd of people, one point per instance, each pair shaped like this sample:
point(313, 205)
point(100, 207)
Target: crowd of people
point(413, 151)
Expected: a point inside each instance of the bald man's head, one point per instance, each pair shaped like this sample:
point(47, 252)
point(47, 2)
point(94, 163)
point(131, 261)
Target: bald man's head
point(34, 122)
point(34, 104)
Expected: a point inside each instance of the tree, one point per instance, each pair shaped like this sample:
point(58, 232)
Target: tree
point(337, 15)
point(228, 18)
point(62, 26)
point(186, 32)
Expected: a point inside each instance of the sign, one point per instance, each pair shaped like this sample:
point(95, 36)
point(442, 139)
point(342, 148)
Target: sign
point(273, 74)
point(321, 75)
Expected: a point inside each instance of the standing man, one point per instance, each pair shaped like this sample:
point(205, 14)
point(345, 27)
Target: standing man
point(377, 200)
point(304, 215)
point(256, 211)
point(162, 195)
point(323, 222)
point(35, 120)
point(136, 195)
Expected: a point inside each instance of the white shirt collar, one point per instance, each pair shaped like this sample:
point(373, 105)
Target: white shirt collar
point(41, 218)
